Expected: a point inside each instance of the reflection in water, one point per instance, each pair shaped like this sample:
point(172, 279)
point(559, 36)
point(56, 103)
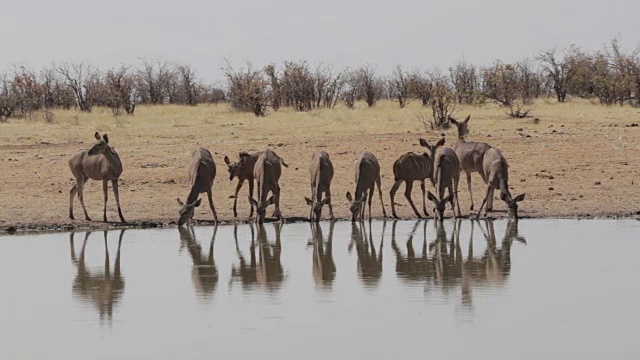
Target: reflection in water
point(369, 265)
point(410, 268)
point(101, 289)
point(324, 269)
point(267, 271)
point(204, 274)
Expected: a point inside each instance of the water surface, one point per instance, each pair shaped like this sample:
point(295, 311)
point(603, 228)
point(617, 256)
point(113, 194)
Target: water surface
point(553, 289)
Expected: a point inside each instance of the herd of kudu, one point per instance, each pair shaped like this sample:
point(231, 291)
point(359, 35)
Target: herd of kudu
point(441, 165)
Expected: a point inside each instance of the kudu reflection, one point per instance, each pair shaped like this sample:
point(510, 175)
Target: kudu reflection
point(266, 271)
point(204, 275)
point(102, 289)
point(324, 268)
point(369, 263)
point(445, 267)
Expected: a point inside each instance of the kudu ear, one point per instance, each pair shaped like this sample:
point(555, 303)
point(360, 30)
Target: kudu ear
point(253, 202)
point(503, 196)
point(452, 120)
point(226, 160)
point(97, 135)
point(519, 198)
point(326, 200)
point(424, 143)
point(440, 143)
point(349, 197)
point(196, 203)
point(105, 137)
point(271, 200)
point(309, 201)
point(364, 198)
point(448, 198)
point(431, 197)
point(180, 202)
point(467, 119)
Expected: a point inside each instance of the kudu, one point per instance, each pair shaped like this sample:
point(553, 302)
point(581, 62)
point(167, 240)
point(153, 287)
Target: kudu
point(321, 171)
point(470, 153)
point(496, 176)
point(101, 162)
point(411, 268)
point(267, 171)
point(204, 274)
point(367, 171)
point(246, 272)
point(270, 273)
point(408, 168)
point(243, 170)
point(202, 172)
point(101, 289)
point(446, 172)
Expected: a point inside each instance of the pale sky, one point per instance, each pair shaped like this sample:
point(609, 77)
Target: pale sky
point(420, 33)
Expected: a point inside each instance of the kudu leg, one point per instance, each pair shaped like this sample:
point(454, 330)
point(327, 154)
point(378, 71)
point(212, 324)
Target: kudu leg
point(116, 193)
point(484, 201)
point(72, 193)
point(392, 195)
point(379, 183)
point(455, 195)
point(424, 203)
point(235, 198)
point(407, 193)
point(370, 200)
point(251, 195)
point(276, 211)
point(105, 187)
point(469, 186)
point(213, 208)
point(81, 197)
point(490, 201)
point(328, 194)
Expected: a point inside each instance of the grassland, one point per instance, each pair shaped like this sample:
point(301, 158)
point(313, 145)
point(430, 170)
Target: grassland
point(579, 160)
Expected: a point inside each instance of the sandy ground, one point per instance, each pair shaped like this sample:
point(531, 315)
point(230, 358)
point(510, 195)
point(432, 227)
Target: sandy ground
point(579, 160)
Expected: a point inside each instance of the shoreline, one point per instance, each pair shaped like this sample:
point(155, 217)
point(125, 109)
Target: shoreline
point(82, 225)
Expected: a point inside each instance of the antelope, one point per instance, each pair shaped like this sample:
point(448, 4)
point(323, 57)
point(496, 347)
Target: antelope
point(321, 171)
point(367, 170)
point(409, 168)
point(202, 171)
point(496, 176)
point(101, 162)
point(104, 288)
point(411, 268)
point(243, 170)
point(267, 172)
point(269, 273)
point(446, 175)
point(246, 272)
point(470, 153)
point(369, 264)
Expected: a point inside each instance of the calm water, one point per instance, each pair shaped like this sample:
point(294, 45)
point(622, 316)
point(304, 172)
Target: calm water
point(552, 289)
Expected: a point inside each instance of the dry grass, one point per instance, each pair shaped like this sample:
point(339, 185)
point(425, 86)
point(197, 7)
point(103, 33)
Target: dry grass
point(573, 147)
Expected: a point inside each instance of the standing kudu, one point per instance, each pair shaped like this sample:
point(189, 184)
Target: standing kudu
point(496, 172)
point(202, 172)
point(321, 171)
point(470, 153)
point(101, 162)
point(367, 170)
point(411, 167)
point(446, 170)
point(267, 171)
point(243, 170)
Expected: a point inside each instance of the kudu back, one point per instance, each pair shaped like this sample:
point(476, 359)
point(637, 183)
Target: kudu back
point(367, 175)
point(321, 171)
point(202, 172)
point(267, 171)
point(243, 170)
point(446, 172)
point(496, 171)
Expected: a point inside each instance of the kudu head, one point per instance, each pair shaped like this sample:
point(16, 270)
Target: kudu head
point(261, 208)
point(463, 129)
point(186, 211)
point(101, 146)
point(356, 206)
point(432, 148)
point(316, 206)
point(236, 169)
point(440, 204)
point(512, 203)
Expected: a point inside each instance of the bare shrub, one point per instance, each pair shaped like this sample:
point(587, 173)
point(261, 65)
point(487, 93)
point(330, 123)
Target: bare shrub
point(560, 68)
point(77, 77)
point(399, 84)
point(370, 87)
point(120, 87)
point(154, 80)
point(464, 78)
point(247, 89)
point(442, 101)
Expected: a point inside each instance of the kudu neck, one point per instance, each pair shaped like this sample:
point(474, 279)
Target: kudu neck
point(113, 159)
